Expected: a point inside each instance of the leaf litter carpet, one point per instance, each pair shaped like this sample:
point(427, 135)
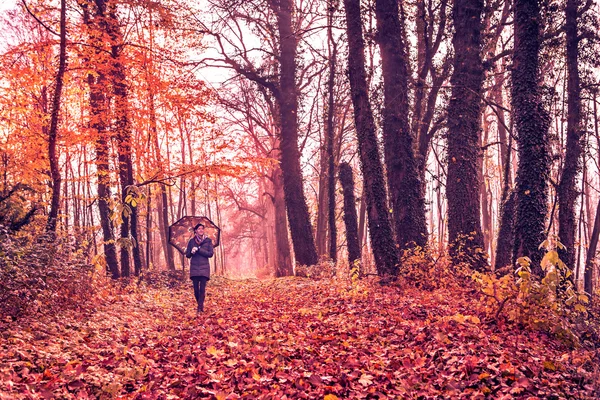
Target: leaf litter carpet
point(288, 338)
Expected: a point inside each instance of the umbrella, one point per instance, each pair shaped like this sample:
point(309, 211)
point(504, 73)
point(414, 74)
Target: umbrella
point(183, 230)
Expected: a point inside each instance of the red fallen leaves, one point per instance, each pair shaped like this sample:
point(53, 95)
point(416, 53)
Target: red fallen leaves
point(287, 339)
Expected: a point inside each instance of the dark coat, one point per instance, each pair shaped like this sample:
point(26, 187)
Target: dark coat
point(199, 265)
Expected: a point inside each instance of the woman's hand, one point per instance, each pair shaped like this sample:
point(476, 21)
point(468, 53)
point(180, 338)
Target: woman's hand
point(194, 250)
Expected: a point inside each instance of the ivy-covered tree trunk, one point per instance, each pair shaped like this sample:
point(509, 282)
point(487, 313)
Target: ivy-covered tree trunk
point(123, 137)
point(54, 116)
point(99, 115)
point(531, 122)
point(350, 216)
point(295, 200)
point(567, 191)
point(384, 248)
point(464, 130)
point(408, 204)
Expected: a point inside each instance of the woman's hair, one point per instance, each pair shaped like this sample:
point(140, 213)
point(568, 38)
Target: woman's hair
point(198, 225)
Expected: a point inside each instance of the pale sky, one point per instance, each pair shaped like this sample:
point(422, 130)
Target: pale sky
point(7, 4)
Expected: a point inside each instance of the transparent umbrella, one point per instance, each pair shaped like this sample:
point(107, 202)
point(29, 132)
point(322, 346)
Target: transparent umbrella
point(183, 230)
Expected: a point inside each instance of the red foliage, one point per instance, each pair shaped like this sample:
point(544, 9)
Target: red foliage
point(287, 338)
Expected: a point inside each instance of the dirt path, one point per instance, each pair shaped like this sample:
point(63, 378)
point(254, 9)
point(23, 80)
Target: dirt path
point(287, 338)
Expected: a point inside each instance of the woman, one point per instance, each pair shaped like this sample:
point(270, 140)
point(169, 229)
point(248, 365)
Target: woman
point(199, 250)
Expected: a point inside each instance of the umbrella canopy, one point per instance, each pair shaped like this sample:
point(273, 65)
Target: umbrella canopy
point(183, 230)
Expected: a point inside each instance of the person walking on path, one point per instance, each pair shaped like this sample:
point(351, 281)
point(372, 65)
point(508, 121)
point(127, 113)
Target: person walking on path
point(199, 250)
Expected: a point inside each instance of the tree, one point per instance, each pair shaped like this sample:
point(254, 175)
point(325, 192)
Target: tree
point(279, 77)
point(404, 187)
point(297, 210)
point(124, 138)
point(567, 191)
point(330, 135)
point(97, 81)
point(253, 110)
point(350, 217)
point(384, 248)
point(464, 129)
point(54, 117)
point(427, 117)
point(531, 122)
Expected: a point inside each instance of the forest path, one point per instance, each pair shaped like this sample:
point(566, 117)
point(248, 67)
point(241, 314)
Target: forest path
point(285, 338)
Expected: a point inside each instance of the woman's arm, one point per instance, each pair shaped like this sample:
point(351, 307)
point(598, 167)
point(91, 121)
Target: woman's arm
point(188, 250)
point(206, 249)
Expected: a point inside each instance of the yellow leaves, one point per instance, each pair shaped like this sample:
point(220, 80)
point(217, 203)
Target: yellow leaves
point(330, 397)
point(231, 363)
point(550, 259)
point(442, 337)
point(580, 308)
point(524, 261)
point(112, 388)
point(220, 395)
point(464, 319)
point(212, 351)
point(365, 380)
point(549, 365)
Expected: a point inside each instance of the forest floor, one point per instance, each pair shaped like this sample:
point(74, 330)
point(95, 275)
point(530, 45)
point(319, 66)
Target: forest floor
point(287, 338)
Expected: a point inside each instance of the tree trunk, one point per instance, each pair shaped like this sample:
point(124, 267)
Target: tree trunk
point(408, 204)
point(531, 123)
point(284, 259)
point(485, 199)
point(99, 113)
point(123, 137)
point(163, 210)
point(362, 214)
point(54, 116)
point(588, 275)
point(384, 248)
point(330, 137)
point(506, 235)
point(567, 191)
point(321, 231)
point(350, 217)
point(149, 228)
point(464, 129)
point(505, 244)
point(295, 200)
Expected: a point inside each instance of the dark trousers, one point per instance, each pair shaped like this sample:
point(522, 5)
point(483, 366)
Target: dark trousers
point(200, 290)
